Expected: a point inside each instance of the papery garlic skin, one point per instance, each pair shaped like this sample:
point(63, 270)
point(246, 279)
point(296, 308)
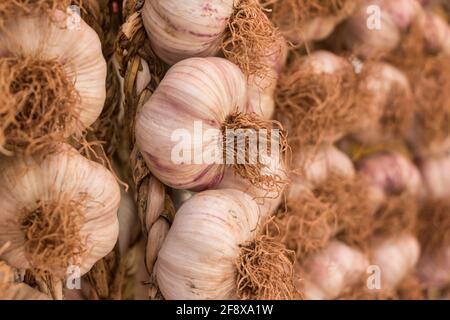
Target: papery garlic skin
point(327, 273)
point(24, 182)
point(198, 257)
point(204, 90)
point(128, 221)
point(435, 176)
point(433, 269)
point(396, 256)
point(181, 30)
point(78, 50)
point(361, 31)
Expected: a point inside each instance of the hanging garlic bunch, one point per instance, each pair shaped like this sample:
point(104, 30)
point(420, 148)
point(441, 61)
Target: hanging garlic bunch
point(215, 250)
point(395, 256)
point(196, 123)
point(376, 26)
point(389, 107)
point(52, 76)
point(435, 176)
point(329, 272)
point(58, 211)
point(316, 98)
point(199, 28)
point(302, 21)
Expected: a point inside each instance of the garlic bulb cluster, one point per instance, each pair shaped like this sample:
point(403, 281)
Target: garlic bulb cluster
point(303, 21)
point(316, 96)
point(181, 129)
point(211, 251)
point(376, 26)
point(395, 256)
point(330, 271)
point(57, 212)
point(53, 77)
point(389, 106)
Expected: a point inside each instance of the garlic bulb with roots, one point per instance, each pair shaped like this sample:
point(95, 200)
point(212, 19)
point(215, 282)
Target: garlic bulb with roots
point(52, 78)
point(389, 104)
point(376, 26)
point(325, 199)
point(187, 130)
point(327, 273)
point(435, 175)
point(316, 97)
point(59, 210)
point(302, 21)
point(396, 256)
point(215, 249)
point(201, 28)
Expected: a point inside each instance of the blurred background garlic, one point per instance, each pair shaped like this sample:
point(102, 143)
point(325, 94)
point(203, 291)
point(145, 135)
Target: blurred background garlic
point(376, 26)
point(58, 211)
point(396, 256)
point(435, 175)
point(181, 130)
point(215, 250)
point(316, 98)
point(302, 21)
point(53, 79)
point(327, 273)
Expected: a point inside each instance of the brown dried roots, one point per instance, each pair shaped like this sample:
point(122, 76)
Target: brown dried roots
point(52, 235)
point(397, 214)
point(290, 15)
point(317, 106)
point(305, 225)
point(265, 271)
point(249, 38)
point(347, 196)
point(39, 105)
point(429, 75)
point(434, 225)
point(243, 137)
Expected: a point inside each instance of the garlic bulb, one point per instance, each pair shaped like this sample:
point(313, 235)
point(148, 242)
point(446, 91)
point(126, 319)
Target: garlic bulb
point(57, 212)
point(307, 20)
point(434, 172)
point(211, 248)
point(192, 28)
point(67, 70)
point(391, 173)
point(436, 33)
point(316, 98)
point(182, 127)
point(389, 107)
point(376, 26)
point(396, 256)
point(327, 273)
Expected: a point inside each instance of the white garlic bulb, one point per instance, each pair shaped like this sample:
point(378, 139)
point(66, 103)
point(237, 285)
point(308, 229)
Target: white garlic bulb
point(57, 212)
point(327, 273)
point(395, 256)
point(192, 28)
point(203, 250)
point(181, 128)
point(435, 175)
point(376, 26)
point(76, 49)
